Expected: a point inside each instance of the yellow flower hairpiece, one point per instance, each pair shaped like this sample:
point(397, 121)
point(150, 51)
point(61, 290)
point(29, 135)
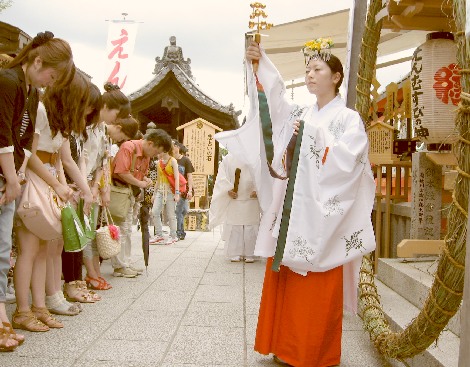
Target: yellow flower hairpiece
point(318, 48)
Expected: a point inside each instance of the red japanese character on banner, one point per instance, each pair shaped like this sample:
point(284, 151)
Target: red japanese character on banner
point(118, 49)
point(114, 78)
point(447, 84)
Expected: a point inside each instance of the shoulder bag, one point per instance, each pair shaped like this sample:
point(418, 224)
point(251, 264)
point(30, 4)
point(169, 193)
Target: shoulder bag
point(121, 196)
point(40, 208)
point(171, 178)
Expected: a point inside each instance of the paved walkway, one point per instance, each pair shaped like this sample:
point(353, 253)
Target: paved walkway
point(193, 308)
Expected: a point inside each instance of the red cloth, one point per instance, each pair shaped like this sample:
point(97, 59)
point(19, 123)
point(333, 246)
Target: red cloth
point(123, 160)
point(300, 317)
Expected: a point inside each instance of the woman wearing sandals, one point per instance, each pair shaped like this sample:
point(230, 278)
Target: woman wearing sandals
point(40, 260)
point(43, 62)
point(104, 123)
point(75, 289)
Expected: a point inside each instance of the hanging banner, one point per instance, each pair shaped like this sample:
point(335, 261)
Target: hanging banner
point(407, 98)
point(119, 49)
point(391, 92)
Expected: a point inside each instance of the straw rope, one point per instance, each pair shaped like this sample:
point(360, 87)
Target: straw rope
point(368, 60)
point(445, 295)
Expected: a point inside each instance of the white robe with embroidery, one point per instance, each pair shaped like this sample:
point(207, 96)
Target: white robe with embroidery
point(330, 223)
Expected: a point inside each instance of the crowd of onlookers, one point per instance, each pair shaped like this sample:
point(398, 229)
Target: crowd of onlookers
point(59, 130)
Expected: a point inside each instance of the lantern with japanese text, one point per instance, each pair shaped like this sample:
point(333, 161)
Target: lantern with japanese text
point(435, 83)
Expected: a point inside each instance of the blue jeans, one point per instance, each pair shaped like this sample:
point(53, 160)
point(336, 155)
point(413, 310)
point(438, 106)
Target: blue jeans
point(6, 226)
point(182, 208)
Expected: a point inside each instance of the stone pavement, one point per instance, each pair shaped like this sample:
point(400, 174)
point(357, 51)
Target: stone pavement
point(193, 308)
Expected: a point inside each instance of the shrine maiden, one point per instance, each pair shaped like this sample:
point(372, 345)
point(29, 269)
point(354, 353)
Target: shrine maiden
point(330, 194)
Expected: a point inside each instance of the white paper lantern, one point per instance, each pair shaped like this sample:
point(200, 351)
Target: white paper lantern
point(435, 83)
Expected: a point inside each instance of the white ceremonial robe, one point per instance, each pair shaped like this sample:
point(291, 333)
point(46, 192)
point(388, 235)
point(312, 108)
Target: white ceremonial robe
point(240, 216)
point(330, 223)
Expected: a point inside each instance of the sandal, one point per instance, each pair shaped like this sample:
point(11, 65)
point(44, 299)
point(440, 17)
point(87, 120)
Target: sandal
point(74, 292)
point(97, 284)
point(59, 305)
point(78, 305)
point(105, 282)
point(7, 342)
point(26, 320)
point(9, 329)
point(43, 315)
point(91, 294)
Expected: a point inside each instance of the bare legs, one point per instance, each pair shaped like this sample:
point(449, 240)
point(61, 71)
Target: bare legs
point(30, 270)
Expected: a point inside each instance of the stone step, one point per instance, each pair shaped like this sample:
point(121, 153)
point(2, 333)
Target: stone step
point(412, 281)
point(400, 313)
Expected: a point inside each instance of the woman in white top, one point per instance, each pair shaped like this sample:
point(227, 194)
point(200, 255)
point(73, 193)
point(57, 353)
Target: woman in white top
point(102, 113)
point(64, 115)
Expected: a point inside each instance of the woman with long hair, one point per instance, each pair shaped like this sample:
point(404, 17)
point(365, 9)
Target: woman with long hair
point(75, 288)
point(45, 61)
point(38, 260)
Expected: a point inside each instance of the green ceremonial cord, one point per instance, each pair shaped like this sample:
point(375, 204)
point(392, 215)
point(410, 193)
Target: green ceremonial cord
point(281, 240)
point(266, 125)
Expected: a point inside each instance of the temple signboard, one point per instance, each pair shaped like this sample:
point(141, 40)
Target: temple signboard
point(199, 184)
point(198, 137)
point(200, 142)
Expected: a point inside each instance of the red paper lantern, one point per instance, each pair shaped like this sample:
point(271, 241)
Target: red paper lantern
point(435, 83)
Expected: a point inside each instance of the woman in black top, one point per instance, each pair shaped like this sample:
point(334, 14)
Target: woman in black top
point(43, 62)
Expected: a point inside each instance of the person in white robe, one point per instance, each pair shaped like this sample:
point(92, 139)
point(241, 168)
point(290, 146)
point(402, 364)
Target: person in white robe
point(235, 205)
point(330, 222)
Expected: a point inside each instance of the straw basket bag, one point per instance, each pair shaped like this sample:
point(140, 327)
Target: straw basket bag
point(107, 236)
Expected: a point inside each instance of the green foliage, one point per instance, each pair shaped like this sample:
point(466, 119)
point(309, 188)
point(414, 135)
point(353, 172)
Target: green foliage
point(5, 4)
point(222, 153)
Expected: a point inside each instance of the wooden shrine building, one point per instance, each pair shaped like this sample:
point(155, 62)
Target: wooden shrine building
point(173, 98)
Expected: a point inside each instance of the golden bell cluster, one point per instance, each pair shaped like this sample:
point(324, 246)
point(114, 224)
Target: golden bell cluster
point(257, 14)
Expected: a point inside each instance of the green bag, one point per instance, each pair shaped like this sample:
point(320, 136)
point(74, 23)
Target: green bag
point(74, 235)
point(88, 221)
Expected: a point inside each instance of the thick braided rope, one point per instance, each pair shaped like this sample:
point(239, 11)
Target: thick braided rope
point(368, 59)
point(446, 293)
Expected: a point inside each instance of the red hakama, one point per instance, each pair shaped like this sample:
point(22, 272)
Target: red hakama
point(300, 317)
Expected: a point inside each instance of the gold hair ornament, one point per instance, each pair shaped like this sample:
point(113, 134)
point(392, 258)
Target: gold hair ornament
point(319, 48)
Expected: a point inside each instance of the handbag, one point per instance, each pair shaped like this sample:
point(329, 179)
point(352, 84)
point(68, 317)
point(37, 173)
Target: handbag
point(74, 235)
point(40, 208)
point(171, 179)
point(107, 236)
point(120, 196)
point(88, 221)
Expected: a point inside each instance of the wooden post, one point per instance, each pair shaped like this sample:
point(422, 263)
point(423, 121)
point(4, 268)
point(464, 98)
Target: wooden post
point(464, 355)
point(388, 192)
point(378, 216)
point(357, 21)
